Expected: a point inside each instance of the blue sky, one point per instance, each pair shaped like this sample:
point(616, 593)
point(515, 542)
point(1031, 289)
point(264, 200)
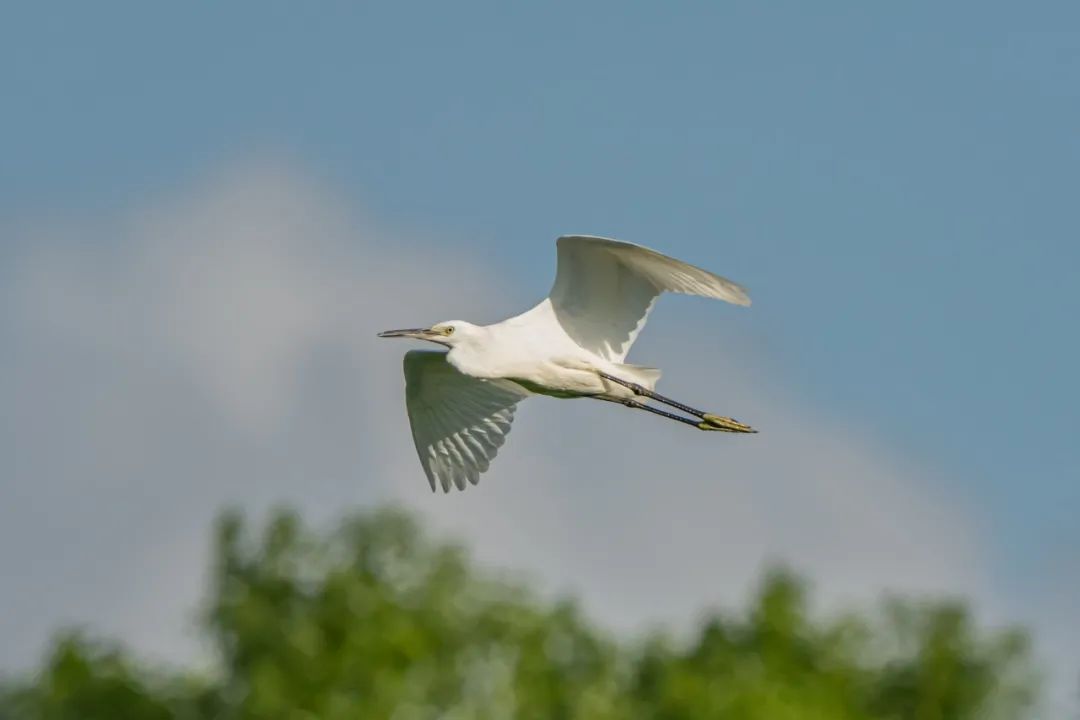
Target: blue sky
point(895, 184)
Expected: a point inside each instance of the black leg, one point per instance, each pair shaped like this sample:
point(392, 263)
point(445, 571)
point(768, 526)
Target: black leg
point(645, 392)
point(711, 422)
point(642, 406)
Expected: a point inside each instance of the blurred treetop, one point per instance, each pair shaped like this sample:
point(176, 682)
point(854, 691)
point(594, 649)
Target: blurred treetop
point(374, 620)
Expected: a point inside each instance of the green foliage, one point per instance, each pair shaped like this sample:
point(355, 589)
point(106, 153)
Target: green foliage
point(84, 680)
point(777, 664)
point(375, 621)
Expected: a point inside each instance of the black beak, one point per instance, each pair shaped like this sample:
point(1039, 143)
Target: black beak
point(408, 332)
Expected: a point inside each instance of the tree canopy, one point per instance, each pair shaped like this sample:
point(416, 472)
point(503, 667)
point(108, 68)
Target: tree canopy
point(376, 620)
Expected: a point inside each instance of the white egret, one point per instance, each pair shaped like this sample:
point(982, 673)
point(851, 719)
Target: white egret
point(572, 345)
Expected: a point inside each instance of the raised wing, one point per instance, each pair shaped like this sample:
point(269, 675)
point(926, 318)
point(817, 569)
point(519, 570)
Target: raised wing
point(604, 290)
point(458, 422)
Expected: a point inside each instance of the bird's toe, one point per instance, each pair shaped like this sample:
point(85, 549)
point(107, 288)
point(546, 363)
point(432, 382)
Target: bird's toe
point(724, 424)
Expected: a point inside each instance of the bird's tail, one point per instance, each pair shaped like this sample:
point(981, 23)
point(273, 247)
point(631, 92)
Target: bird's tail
point(640, 374)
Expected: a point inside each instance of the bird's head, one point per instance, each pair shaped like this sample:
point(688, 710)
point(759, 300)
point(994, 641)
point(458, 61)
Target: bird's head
point(449, 333)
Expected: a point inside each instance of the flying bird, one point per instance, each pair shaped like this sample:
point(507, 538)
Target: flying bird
point(572, 345)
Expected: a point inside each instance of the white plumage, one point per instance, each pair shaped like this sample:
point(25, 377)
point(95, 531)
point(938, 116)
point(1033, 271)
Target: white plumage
point(604, 290)
point(458, 423)
point(573, 344)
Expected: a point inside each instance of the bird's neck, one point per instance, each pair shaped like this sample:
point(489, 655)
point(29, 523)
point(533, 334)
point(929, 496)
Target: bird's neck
point(473, 356)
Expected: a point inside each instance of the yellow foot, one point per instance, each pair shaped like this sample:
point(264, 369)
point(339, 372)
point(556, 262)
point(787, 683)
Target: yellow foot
point(724, 424)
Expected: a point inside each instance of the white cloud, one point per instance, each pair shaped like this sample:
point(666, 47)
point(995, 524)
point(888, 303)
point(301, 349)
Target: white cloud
point(219, 348)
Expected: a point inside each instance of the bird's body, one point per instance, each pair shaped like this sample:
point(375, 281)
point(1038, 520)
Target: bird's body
point(547, 363)
point(572, 344)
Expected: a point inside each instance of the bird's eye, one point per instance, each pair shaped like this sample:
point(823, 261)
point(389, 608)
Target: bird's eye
point(449, 330)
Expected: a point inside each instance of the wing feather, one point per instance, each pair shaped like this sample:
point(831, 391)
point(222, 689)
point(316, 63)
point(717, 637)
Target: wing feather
point(458, 422)
point(604, 290)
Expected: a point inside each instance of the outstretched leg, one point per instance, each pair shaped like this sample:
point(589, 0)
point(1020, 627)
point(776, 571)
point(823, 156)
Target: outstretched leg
point(709, 421)
point(642, 406)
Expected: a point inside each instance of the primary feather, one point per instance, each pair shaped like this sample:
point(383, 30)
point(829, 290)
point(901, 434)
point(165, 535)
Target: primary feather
point(458, 422)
